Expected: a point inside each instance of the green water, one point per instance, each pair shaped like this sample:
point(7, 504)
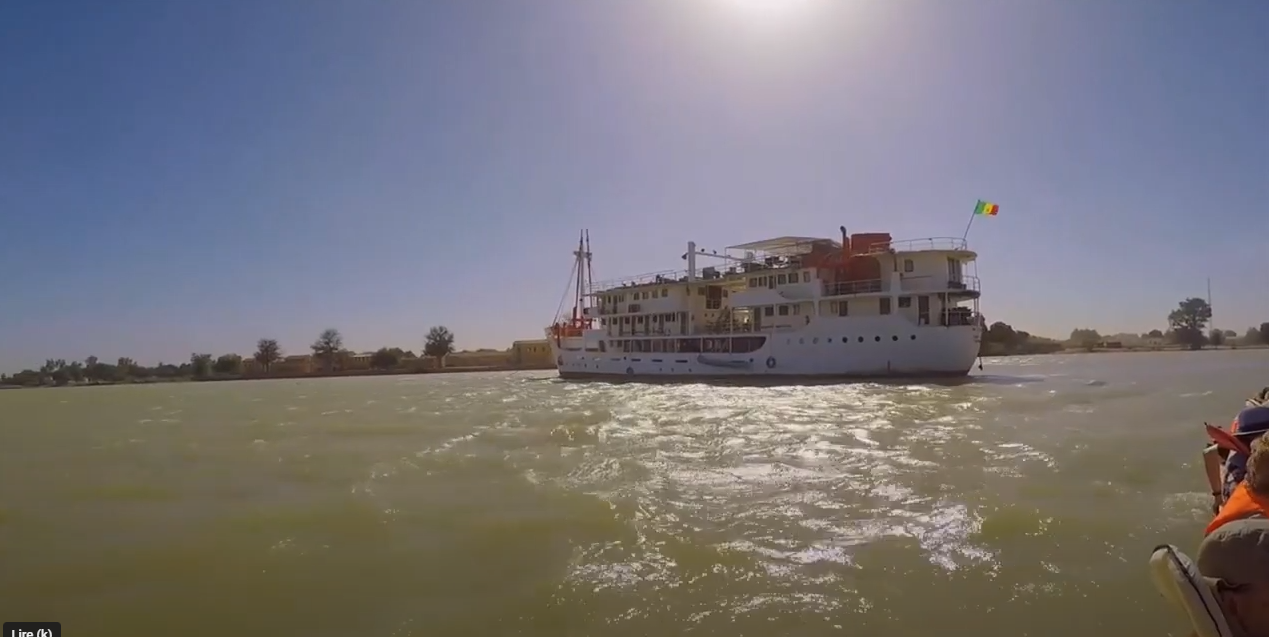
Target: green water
point(1022, 503)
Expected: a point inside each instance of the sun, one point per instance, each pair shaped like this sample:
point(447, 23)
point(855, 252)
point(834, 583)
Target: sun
point(767, 11)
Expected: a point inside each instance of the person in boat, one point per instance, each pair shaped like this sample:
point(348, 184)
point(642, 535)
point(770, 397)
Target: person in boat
point(1234, 559)
point(1249, 499)
point(1226, 467)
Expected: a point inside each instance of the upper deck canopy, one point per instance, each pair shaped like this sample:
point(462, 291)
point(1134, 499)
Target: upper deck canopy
point(781, 244)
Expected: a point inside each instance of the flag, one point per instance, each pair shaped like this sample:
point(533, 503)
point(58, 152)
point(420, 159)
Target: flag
point(986, 208)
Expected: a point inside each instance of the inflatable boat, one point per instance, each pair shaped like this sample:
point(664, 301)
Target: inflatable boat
point(1174, 574)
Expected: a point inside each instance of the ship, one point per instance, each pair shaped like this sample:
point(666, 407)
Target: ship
point(858, 307)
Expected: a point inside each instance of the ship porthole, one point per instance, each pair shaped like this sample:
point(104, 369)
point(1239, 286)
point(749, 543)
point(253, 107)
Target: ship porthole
point(894, 338)
point(913, 337)
point(877, 338)
point(771, 362)
point(630, 371)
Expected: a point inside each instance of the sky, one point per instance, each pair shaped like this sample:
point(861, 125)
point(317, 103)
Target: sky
point(184, 176)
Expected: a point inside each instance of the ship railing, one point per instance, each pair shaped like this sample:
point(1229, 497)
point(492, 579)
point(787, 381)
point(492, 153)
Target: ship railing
point(707, 330)
point(615, 285)
point(706, 275)
point(711, 330)
point(844, 288)
point(935, 284)
point(917, 245)
point(965, 282)
point(960, 318)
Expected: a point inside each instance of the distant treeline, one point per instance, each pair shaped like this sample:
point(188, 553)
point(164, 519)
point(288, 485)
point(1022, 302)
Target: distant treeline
point(328, 356)
point(1187, 329)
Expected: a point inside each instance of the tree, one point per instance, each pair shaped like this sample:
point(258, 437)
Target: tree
point(439, 344)
point(1264, 333)
point(201, 364)
point(1189, 320)
point(1154, 334)
point(267, 353)
point(1001, 333)
point(385, 358)
point(1216, 338)
point(228, 364)
point(1085, 338)
point(327, 347)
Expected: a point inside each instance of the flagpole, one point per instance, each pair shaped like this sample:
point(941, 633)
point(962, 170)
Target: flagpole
point(973, 213)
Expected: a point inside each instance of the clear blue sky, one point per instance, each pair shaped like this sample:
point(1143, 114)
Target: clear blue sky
point(180, 176)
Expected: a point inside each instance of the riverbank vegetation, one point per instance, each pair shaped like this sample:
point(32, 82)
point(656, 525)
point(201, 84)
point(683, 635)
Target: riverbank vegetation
point(1187, 330)
point(328, 357)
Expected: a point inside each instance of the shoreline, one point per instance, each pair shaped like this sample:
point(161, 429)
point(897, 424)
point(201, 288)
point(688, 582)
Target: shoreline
point(517, 368)
point(291, 376)
point(1120, 350)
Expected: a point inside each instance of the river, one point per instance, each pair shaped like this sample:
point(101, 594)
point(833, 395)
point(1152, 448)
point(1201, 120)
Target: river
point(1023, 502)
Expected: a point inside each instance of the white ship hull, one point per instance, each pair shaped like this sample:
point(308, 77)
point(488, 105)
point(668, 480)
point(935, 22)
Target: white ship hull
point(828, 347)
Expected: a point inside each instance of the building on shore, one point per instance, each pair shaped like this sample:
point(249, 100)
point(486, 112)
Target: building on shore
point(535, 353)
point(297, 364)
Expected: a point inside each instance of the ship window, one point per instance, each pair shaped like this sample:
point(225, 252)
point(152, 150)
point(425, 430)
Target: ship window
point(905, 301)
point(782, 279)
point(700, 291)
point(665, 292)
point(907, 265)
point(784, 310)
point(797, 309)
point(885, 305)
point(806, 276)
point(842, 308)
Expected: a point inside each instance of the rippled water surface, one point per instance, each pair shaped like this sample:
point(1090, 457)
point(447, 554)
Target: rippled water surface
point(1023, 502)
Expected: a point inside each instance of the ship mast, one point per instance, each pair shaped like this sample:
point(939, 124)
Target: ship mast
point(582, 259)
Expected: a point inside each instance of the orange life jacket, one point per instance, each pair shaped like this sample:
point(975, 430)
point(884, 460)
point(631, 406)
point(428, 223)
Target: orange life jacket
point(1242, 504)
